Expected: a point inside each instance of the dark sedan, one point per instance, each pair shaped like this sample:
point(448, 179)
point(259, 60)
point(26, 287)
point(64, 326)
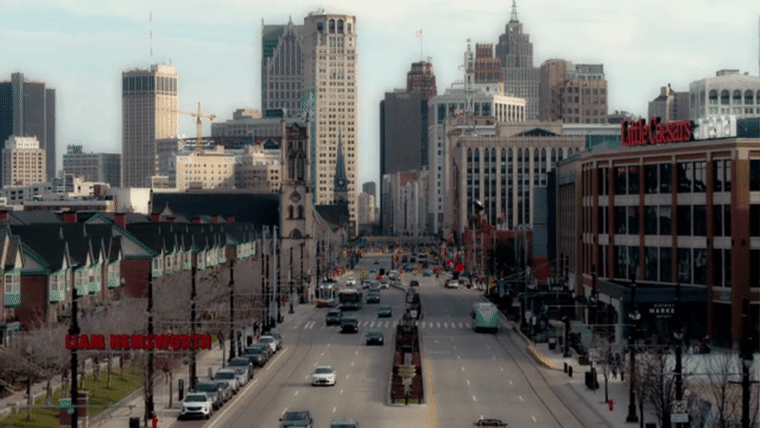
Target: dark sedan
point(384, 311)
point(333, 317)
point(349, 325)
point(373, 297)
point(373, 338)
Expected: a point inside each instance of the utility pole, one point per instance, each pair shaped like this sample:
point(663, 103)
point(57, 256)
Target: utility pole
point(74, 331)
point(276, 251)
point(151, 354)
point(264, 278)
point(193, 298)
point(747, 347)
point(634, 316)
point(678, 335)
point(233, 342)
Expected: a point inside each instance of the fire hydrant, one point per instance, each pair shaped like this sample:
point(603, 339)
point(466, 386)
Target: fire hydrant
point(154, 421)
point(611, 404)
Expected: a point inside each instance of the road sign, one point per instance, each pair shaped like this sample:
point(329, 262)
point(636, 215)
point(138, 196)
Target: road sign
point(65, 403)
point(678, 406)
point(679, 418)
point(407, 370)
point(593, 356)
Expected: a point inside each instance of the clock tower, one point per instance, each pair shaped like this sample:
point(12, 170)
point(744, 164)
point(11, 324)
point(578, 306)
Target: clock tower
point(295, 206)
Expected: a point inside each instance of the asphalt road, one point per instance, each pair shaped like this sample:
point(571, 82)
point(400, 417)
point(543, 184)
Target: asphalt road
point(468, 375)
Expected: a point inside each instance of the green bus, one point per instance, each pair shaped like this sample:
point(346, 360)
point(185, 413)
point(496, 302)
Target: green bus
point(350, 299)
point(485, 317)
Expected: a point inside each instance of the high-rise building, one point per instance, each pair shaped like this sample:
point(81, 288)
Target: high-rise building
point(370, 188)
point(487, 68)
point(728, 93)
point(27, 109)
point(94, 167)
point(572, 93)
point(515, 54)
point(282, 67)
point(421, 80)
point(330, 61)
point(670, 106)
point(23, 161)
point(489, 102)
point(403, 132)
point(208, 170)
point(149, 112)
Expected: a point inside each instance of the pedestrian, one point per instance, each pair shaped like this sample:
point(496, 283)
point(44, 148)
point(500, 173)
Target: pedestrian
point(614, 370)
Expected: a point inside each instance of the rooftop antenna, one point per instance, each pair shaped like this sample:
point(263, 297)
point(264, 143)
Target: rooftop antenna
point(418, 33)
point(150, 20)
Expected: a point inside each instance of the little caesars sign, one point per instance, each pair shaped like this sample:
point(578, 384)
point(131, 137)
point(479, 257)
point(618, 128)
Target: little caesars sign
point(640, 133)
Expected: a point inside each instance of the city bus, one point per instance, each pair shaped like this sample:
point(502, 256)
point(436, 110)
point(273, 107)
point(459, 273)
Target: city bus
point(485, 317)
point(326, 294)
point(350, 299)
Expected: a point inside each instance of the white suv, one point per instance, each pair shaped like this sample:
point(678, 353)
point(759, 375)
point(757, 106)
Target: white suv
point(270, 341)
point(452, 283)
point(196, 404)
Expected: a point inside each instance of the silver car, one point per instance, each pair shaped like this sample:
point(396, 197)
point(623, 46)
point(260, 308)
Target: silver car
point(196, 404)
point(269, 340)
point(228, 375)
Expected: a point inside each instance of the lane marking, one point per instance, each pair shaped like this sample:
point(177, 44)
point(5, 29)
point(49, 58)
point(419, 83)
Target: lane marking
point(352, 363)
point(322, 355)
point(468, 382)
point(521, 399)
point(501, 368)
point(534, 419)
point(295, 394)
point(341, 391)
point(512, 384)
point(356, 353)
point(462, 368)
point(488, 348)
point(334, 409)
point(347, 376)
point(493, 357)
point(458, 357)
point(474, 399)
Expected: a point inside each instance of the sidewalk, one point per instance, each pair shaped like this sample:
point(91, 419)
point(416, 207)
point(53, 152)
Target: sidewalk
point(132, 406)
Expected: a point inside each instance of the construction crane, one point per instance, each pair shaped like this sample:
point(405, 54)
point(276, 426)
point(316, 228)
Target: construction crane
point(198, 125)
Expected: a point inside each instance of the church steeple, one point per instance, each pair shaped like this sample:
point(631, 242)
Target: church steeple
point(513, 18)
point(340, 181)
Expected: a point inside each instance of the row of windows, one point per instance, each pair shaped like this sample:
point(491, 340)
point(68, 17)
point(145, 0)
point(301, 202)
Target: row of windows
point(658, 220)
point(736, 96)
point(691, 177)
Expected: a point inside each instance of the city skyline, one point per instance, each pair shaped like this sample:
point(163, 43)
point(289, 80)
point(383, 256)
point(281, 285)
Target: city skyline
point(82, 48)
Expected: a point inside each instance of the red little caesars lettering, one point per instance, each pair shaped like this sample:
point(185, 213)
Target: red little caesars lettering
point(639, 133)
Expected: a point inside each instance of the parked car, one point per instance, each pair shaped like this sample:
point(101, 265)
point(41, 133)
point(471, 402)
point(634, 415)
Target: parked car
point(333, 317)
point(256, 356)
point(452, 283)
point(269, 340)
point(213, 391)
point(384, 283)
point(266, 349)
point(343, 423)
point(297, 418)
point(225, 388)
point(427, 272)
point(196, 404)
point(384, 311)
point(323, 375)
point(244, 364)
point(414, 283)
point(349, 325)
point(228, 375)
point(373, 337)
point(277, 337)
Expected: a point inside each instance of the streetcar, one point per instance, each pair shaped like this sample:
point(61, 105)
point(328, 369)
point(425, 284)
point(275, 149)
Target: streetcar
point(326, 294)
point(350, 299)
point(485, 317)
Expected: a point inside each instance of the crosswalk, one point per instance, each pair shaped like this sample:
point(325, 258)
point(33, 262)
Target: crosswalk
point(310, 325)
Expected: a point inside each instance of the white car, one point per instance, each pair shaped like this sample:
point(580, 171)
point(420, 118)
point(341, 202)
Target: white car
point(351, 282)
point(196, 404)
point(453, 283)
point(228, 375)
point(270, 341)
point(323, 375)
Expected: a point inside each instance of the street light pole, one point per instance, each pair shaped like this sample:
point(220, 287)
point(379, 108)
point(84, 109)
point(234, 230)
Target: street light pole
point(74, 331)
point(193, 297)
point(149, 405)
point(678, 335)
point(634, 316)
point(233, 343)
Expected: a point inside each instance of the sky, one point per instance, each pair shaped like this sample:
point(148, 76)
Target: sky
point(81, 47)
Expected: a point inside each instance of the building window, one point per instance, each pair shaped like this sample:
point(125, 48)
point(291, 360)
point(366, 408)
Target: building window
point(700, 177)
point(665, 264)
point(650, 221)
point(685, 177)
point(650, 179)
point(737, 96)
point(754, 221)
point(683, 220)
point(684, 265)
point(665, 213)
point(700, 221)
point(620, 180)
point(621, 220)
point(713, 99)
point(651, 264)
point(754, 175)
point(633, 180)
point(748, 97)
point(724, 97)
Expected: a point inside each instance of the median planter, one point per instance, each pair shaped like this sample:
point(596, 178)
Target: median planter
point(406, 381)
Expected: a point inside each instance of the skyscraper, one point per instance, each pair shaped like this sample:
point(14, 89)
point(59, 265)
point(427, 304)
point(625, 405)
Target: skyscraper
point(487, 68)
point(515, 53)
point(27, 109)
point(281, 66)
point(149, 112)
point(573, 93)
point(330, 63)
point(421, 80)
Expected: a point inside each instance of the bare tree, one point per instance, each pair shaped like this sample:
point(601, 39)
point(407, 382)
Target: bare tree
point(601, 342)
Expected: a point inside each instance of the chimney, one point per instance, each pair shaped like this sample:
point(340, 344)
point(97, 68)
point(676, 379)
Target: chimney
point(120, 219)
point(231, 219)
point(171, 219)
point(215, 218)
point(69, 216)
point(155, 218)
point(4, 215)
point(196, 220)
